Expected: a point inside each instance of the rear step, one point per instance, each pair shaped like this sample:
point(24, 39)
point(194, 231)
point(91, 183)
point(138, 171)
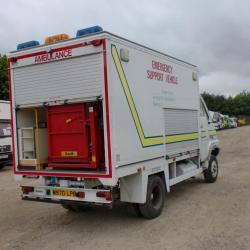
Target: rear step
point(73, 165)
point(61, 194)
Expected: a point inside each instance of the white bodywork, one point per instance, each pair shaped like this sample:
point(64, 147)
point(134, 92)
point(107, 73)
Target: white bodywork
point(156, 117)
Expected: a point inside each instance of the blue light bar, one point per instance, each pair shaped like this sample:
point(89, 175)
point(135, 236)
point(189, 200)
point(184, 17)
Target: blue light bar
point(27, 45)
point(89, 30)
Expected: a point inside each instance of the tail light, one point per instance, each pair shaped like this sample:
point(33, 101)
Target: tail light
point(104, 194)
point(81, 194)
point(27, 190)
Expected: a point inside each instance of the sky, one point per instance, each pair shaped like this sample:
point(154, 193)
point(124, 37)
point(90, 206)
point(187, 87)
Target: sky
point(214, 35)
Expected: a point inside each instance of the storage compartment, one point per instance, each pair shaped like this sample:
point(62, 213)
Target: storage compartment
point(181, 126)
point(68, 136)
point(67, 133)
point(75, 133)
point(32, 138)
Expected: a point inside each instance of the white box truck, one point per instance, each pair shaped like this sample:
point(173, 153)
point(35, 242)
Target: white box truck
point(5, 134)
point(98, 119)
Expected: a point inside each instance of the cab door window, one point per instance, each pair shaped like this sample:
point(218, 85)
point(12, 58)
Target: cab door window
point(203, 111)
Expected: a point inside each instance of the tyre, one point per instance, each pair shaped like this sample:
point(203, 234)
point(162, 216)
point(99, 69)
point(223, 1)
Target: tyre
point(155, 198)
point(133, 209)
point(211, 173)
point(1, 166)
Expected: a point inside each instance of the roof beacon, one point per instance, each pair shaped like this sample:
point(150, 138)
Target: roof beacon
point(27, 44)
point(87, 31)
point(56, 38)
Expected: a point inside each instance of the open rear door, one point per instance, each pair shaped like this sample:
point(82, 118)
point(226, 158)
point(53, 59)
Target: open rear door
point(75, 136)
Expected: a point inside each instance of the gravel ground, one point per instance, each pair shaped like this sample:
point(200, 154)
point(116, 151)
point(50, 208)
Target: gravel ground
point(196, 215)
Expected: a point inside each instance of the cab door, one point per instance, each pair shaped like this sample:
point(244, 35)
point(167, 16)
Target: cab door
point(204, 131)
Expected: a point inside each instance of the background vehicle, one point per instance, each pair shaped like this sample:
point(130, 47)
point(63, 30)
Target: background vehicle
point(217, 120)
point(221, 119)
point(226, 121)
point(101, 119)
point(232, 122)
point(5, 134)
point(241, 122)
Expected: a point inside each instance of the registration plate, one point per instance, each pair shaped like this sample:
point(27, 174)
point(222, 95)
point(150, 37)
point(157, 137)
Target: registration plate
point(3, 156)
point(64, 192)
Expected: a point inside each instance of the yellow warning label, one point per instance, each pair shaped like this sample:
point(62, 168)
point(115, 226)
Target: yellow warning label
point(68, 153)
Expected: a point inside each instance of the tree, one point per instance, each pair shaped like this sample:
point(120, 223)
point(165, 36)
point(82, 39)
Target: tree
point(242, 103)
point(4, 87)
point(217, 103)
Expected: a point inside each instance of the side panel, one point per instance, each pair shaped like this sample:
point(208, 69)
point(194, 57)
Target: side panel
point(185, 122)
point(140, 89)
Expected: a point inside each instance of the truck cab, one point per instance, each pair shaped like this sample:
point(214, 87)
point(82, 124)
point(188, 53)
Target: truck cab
point(5, 134)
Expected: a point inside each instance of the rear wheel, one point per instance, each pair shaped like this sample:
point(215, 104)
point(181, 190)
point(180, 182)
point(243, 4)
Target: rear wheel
point(155, 198)
point(211, 173)
point(1, 166)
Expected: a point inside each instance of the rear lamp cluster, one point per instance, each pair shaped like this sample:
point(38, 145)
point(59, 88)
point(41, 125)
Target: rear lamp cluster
point(104, 194)
point(81, 194)
point(60, 37)
point(27, 190)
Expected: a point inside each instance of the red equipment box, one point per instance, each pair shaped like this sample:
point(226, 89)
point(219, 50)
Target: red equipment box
point(73, 136)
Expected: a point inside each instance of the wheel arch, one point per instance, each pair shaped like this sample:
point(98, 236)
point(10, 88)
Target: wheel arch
point(163, 176)
point(215, 151)
point(133, 188)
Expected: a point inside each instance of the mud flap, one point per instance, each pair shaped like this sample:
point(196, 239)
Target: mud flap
point(133, 188)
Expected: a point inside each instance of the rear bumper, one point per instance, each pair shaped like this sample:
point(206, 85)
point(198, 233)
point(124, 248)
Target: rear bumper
point(82, 197)
point(69, 202)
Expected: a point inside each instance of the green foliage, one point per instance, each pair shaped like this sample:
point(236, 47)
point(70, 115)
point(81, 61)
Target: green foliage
point(4, 88)
point(232, 106)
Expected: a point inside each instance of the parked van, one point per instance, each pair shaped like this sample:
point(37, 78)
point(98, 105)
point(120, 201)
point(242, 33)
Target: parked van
point(5, 134)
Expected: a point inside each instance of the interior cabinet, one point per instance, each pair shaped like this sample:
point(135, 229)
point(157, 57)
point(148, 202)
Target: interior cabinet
point(32, 146)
